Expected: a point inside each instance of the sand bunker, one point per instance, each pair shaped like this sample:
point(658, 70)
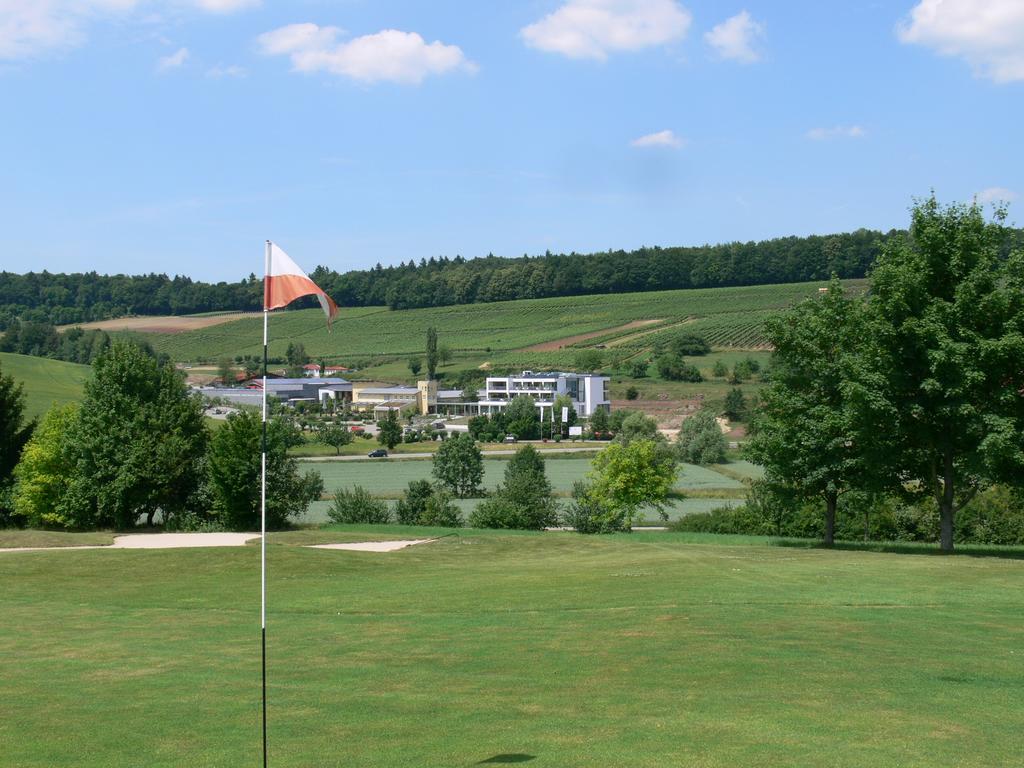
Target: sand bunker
point(374, 546)
point(190, 540)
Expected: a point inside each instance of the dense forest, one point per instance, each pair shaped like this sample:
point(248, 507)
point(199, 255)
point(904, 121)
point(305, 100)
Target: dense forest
point(74, 298)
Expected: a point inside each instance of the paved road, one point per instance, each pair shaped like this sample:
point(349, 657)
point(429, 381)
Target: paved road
point(489, 452)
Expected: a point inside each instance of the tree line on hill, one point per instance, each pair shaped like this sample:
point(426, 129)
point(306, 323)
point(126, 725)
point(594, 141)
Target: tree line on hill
point(65, 299)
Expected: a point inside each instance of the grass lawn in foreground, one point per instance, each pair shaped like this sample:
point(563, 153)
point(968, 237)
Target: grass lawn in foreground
point(642, 650)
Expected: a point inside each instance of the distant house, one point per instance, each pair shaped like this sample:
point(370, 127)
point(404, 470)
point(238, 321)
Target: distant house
point(312, 370)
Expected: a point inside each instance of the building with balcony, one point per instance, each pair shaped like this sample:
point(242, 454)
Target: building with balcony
point(588, 392)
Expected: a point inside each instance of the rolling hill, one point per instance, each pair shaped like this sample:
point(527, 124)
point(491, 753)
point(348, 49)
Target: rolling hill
point(47, 382)
point(529, 331)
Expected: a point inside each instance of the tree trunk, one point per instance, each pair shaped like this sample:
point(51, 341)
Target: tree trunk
point(149, 518)
point(830, 519)
point(867, 524)
point(946, 505)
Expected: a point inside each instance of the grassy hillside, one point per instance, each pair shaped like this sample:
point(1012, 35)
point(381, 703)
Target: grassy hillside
point(46, 381)
point(728, 317)
point(641, 650)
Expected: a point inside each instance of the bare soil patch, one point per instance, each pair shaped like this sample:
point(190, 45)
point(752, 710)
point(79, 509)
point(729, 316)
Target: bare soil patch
point(164, 323)
point(557, 344)
point(634, 336)
point(669, 414)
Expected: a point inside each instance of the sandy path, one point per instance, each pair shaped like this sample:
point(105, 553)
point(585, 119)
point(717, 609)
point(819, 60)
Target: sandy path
point(191, 540)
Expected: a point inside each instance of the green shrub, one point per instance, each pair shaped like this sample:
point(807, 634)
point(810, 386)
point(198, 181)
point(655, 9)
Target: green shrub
point(700, 439)
point(440, 511)
point(688, 345)
point(524, 501)
point(413, 504)
point(995, 516)
point(673, 368)
point(739, 519)
point(590, 513)
point(638, 369)
point(358, 506)
point(425, 504)
point(632, 393)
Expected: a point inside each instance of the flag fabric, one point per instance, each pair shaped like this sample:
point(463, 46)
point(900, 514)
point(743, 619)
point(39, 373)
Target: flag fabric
point(285, 282)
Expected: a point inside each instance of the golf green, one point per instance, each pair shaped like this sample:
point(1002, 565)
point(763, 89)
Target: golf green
point(548, 649)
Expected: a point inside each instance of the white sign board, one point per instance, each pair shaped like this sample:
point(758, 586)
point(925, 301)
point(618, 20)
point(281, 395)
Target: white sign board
point(565, 413)
point(575, 431)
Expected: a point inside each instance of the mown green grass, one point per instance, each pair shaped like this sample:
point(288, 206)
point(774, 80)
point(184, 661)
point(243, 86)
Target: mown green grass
point(707, 488)
point(13, 537)
point(483, 329)
point(640, 650)
point(390, 478)
point(47, 382)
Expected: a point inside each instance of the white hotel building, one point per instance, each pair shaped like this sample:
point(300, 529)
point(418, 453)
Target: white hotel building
point(587, 391)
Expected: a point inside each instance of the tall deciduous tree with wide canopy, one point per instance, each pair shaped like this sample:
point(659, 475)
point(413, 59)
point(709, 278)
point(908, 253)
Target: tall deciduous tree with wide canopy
point(459, 465)
point(804, 433)
point(945, 375)
point(138, 442)
point(233, 474)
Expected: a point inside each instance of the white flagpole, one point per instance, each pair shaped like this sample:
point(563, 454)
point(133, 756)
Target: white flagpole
point(263, 508)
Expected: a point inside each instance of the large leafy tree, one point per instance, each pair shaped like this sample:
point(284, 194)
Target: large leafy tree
point(233, 474)
point(700, 439)
point(335, 435)
point(522, 419)
point(459, 465)
point(627, 477)
point(804, 432)
point(389, 431)
point(14, 429)
point(46, 470)
point(942, 390)
point(138, 442)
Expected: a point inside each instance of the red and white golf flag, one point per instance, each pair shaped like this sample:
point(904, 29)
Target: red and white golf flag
point(285, 282)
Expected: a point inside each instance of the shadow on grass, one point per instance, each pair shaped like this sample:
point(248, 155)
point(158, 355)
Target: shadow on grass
point(510, 757)
point(906, 548)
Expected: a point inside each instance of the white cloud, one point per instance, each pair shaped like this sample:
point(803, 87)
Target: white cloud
point(836, 132)
point(225, 6)
point(735, 38)
point(231, 70)
point(996, 195)
point(591, 29)
point(988, 34)
point(400, 57)
point(659, 139)
point(30, 28)
point(172, 61)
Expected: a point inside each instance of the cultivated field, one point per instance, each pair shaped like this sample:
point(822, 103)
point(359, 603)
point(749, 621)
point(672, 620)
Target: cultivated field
point(549, 649)
point(165, 323)
point(47, 382)
point(730, 317)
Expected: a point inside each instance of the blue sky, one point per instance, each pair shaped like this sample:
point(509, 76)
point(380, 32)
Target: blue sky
point(176, 135)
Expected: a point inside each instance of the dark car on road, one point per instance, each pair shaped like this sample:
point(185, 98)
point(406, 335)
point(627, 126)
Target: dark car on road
point(380, 453)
